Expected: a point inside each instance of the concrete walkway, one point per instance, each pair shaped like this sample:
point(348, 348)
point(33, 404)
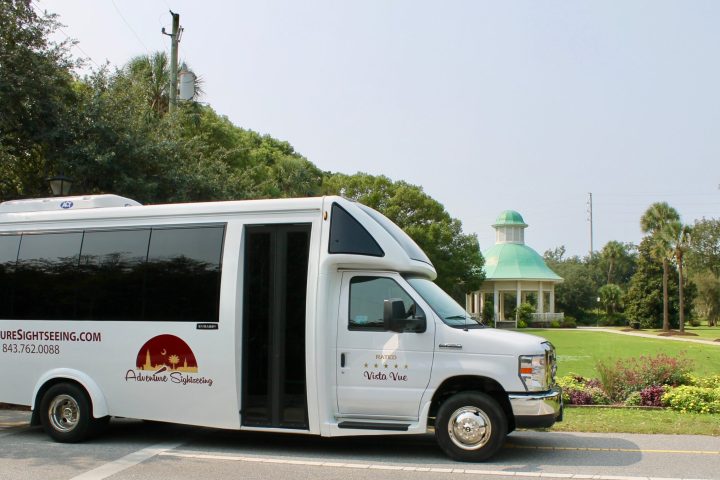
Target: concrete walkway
point(657, 337)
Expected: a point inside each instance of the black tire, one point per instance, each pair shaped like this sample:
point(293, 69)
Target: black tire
point(470, 427)
point(66, 413)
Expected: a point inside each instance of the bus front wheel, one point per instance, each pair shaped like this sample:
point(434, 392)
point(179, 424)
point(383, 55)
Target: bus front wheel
point(470, 426)
point(66, 413)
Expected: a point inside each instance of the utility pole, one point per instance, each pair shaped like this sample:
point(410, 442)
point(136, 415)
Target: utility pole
point(590, 219)
point(174, 41)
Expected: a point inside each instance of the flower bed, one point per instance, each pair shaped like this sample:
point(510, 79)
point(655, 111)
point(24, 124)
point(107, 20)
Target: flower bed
point(659, 381)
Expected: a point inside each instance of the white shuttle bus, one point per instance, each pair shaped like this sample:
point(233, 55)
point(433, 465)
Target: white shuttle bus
point(313, 315)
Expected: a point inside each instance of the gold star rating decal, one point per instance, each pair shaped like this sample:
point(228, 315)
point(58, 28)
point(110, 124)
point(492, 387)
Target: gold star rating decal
point(395, 366)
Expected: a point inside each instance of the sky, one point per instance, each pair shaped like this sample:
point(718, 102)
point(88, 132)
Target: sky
point(487, 105)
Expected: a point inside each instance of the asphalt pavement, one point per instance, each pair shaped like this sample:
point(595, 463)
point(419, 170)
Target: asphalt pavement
point(132, 449)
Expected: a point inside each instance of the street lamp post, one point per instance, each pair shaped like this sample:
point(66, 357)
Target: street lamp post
point(60, 185)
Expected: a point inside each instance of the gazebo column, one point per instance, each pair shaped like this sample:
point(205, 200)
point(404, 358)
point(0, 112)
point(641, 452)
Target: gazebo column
point(541, 299)
point(518, 299)
point(552, 300)
point(496, 302)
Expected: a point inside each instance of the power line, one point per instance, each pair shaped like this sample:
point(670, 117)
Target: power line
point(147, 50)
point(73, 42)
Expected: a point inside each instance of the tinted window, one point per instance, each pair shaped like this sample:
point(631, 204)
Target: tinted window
point(106, 275)
point(182, 280)
point(348, 236)
point(112, 267)
point(367, 302)
point(9, 245)
point(47, 276)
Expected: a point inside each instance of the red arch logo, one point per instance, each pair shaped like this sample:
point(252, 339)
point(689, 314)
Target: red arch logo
point(166, 353)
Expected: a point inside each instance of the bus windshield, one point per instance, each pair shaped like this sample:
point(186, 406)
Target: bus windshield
point(443, 304)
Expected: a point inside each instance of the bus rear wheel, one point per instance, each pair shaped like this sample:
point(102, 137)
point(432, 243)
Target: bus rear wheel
point(470, 427)
point(66, 414)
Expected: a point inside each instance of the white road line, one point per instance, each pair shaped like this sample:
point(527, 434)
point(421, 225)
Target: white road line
point(127, 461)
point(405, 468)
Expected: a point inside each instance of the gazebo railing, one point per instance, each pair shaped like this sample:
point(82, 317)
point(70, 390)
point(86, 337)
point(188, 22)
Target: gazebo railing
point(547, 317)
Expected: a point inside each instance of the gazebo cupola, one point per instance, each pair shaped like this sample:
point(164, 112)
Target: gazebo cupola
point(510, 228)
point(514, 274)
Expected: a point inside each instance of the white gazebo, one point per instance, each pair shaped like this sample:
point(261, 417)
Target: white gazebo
point(514, 274)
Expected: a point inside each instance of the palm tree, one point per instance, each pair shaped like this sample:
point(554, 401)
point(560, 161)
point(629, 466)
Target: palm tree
point(153, 73)
point(680, 243)
point(611, 298)
point(659, 221)
point(611, 253)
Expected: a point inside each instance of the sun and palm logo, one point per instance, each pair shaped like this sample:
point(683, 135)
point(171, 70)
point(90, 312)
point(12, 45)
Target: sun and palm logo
point(166, 352)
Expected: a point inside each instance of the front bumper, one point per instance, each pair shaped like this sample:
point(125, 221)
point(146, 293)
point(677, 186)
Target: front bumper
point(537, 410)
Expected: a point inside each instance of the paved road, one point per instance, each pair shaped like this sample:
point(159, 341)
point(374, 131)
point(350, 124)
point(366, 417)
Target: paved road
point(138, 450)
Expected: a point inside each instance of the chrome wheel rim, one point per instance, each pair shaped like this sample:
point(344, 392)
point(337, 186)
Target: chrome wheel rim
point(469, 428)
point(64, 413)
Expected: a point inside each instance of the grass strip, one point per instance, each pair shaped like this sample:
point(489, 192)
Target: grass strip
point(629, 420)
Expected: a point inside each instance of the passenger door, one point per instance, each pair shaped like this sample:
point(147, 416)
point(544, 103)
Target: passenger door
point(381, 372)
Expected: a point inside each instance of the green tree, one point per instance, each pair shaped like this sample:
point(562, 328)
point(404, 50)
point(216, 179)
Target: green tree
point(703, 261)
point(659, 221)
point(577, 294)
point(643, 303)
point(708, 303)
point(455, 255)
point(36, 94)
point(610, 298)
point(618, 261)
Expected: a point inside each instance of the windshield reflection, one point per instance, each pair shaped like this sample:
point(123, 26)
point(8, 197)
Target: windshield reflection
point(443, 304)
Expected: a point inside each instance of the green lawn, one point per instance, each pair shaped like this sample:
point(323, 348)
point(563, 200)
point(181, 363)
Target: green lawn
point(579, 350)
point(613, 420)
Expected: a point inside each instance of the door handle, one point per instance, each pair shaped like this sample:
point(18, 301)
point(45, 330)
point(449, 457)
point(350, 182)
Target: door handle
point(342, 360)
point(454, 346)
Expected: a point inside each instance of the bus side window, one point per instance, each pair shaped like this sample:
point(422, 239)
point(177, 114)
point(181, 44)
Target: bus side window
point(367, 300)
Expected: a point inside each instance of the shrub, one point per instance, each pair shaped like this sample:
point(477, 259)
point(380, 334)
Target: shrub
point(687, 398)
point(651, 396)
point(488, 314)
point(524, 312)
point(635, 374)
point(555, 324)
point(522, 324)
point(568, 322)
point(581, 391)
point(705, 382)
point(633, 400)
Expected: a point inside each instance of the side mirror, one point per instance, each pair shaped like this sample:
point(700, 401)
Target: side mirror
point(395, 318)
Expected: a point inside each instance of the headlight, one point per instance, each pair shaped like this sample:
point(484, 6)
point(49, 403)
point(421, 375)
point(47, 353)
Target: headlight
point(533, 372)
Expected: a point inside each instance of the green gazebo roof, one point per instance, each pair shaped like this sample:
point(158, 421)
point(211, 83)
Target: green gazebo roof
point(512, 261)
